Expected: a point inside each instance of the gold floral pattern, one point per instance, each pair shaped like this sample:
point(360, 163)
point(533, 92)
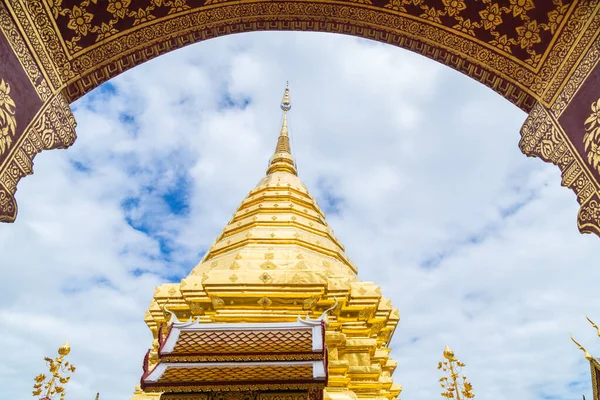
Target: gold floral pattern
point(398, 5)
point(529, 34)
point(503, 43)
point(555, 16)
point(466, 26)
point(491, 17)
point(118, 8)
point(80, 20)
point(591, 138)
point(8, 121)
point(454, 7)
point(519, 7)
point(431, 14)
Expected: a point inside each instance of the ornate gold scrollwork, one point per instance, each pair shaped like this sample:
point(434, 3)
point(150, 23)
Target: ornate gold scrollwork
point(8, 121)
point(591, 138)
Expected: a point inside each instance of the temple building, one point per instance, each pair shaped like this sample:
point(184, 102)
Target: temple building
point(274, 310)
point(594, 363)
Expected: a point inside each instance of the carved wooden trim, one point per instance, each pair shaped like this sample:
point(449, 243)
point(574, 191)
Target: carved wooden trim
point(543, 137)
point(52, 128)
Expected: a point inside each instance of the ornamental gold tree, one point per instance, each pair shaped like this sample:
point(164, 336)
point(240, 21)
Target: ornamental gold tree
point(455, 386)
point(52, 386)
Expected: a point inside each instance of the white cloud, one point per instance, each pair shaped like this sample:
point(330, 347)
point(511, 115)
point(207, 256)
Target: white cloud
point(475, 243)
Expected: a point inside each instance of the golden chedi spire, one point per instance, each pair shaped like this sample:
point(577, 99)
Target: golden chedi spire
point(277, 217)
point(282, 160)
point(278, 259)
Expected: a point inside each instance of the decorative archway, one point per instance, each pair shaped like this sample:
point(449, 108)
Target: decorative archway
point(541, 55)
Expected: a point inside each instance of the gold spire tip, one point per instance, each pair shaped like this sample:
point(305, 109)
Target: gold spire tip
point(286, 102)
point(282, 160)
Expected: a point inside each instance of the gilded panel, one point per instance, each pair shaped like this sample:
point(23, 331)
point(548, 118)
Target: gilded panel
point(595, 366)
point(31, 117)
point(19, 100)
point(542, 136)
point(521, 29)
point(104, 61)
point(502, 44)
point(581, 121)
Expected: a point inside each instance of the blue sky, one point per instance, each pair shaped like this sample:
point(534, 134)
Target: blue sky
point(416, 167)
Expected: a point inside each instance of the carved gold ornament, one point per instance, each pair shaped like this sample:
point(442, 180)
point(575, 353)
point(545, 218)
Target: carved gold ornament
point(8, 122)
point(53, 385)
point(453, 387)
point(591, 138)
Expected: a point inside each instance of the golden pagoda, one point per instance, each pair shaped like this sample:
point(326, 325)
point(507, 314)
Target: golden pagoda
point(274, 310)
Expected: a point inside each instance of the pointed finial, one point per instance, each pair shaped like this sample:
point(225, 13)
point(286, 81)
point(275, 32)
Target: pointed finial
point(448, 353)
point(286, 102)
point(593, 324)
point(282, 160)
point(64, 349)
point(585, 353)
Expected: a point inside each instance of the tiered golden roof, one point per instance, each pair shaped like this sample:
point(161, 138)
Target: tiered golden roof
point(232, 342)
point(276, 259)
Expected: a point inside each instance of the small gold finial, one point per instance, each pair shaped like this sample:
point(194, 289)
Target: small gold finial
point(585, 352)
point(65, 349)
point(453, 388)
point(56, 367)
point(448, 353)
point(282, 160)
point(594, 325)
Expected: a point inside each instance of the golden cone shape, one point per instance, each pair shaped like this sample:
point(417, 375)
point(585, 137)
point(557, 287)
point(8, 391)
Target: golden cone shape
point(277, 259)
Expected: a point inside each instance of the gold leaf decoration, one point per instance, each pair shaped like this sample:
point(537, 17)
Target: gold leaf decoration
point(8, 121)
point(591, 138)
